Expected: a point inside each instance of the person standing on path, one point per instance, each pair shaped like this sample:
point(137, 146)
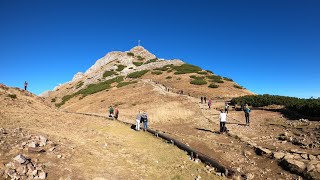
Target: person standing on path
point(247, 111)
point(138, 121)
point(25, 85)
point(223, 120)
point(205, 99)
point(201, 99)
point(144, 118)
point(209, 103)
point(116, 113)
point(226, 108)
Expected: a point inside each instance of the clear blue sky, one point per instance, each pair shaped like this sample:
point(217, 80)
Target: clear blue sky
point(269, 47)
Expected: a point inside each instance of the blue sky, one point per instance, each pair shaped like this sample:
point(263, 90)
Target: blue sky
point(269, 47)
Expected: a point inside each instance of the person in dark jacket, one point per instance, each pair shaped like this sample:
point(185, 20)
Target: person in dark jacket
point(25, 85)
point(144, 119)
point(247, 111)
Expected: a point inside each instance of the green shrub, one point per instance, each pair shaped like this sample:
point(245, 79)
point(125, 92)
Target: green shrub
point(227, 79)
point(169, 71)
point(165, 68)
point(151, 60)
point(130, 54)
point(168, 77)
point(197, 77)
point(121, 84)
point(140, 58)
point(137, 74)
point(186, 68)
point(79, 85)
point(156, 72)
point(214, 78)
point(198, 82)
point(237, 86)
point(120, 67)
point(209, 71)
point(307, 107)
point(202, 72)
point(91, 89)
point(137, 63)
point(13, 96)
point(217, 80)
point(53, 100)
point(213, 85)
point(108, 73)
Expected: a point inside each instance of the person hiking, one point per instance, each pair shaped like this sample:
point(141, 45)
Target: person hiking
point(111, 111)
point(205, 99)
point(226, 108)
point(138, 121)
point(116, 113)
point(209, 103)
point(144, 119)
point(223, 120)
point(201, 99)
point(247, 111)
point(25, 85)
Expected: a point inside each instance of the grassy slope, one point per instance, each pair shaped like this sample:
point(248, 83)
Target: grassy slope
point(94, 147)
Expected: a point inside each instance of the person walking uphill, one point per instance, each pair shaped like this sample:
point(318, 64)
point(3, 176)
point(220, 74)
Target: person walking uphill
point(223, 120)
point(247, 110)
point(209, 103)
point(138, 121)
point(25, 85)
point(144, 119)
point(111, 111)
point(205, 99)
point(116, 113)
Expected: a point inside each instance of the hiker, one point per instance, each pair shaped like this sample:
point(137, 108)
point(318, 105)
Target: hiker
point(144, 119)
point(111, 111)
point(138, 121)
point(201, 99)
point(209, 103)
point(205, 99)
point(223, 120)
point(116, 113)
point(226, 108)
point(25, 85)
point(247, 110)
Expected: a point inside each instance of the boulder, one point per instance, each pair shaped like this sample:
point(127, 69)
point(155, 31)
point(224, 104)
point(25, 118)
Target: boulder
point(261, 151)
point(278, 155)
point(20, 158)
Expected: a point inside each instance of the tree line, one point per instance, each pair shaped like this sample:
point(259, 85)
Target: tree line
point(307, 107)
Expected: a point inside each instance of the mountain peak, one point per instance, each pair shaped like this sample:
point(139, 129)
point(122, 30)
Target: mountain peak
point(141, 51)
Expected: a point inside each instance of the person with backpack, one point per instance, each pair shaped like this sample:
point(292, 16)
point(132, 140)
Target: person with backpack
point(138, 121)
point(205, 99)
point(247, 110)
point(144, 119)
point(111, 111)
point(209, 103)
point(201, 99)
point(116, 113)
point(223, 120)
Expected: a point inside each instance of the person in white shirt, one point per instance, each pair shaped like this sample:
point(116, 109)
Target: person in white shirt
point(223, 120)
point(138, 119)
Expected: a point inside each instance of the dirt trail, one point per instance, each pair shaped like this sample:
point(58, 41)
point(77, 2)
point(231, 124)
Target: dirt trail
point(204, 136)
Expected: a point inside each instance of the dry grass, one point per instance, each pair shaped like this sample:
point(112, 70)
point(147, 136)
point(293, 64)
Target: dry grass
point(96, 148)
